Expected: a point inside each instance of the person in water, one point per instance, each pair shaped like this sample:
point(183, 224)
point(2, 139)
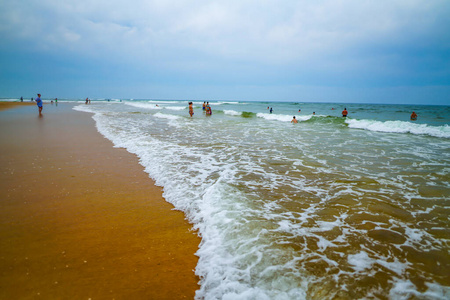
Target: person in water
point(208, 109)
point(413, 116)
point(191, 109)
point(39, 103)
point(294, 120)
point(204, 106)
point(345, 113)
point(271, 110)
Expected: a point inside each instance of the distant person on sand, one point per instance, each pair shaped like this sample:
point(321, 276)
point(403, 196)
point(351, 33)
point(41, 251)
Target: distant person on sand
point(413, 116)
point(345, 113)
point(294, 120)
point(191, 109)
point(39, 103)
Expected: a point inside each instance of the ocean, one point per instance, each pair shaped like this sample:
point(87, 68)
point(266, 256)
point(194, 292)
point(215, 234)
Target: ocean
point(328, 208)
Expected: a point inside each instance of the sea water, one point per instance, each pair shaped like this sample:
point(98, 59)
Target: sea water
point(328, 208)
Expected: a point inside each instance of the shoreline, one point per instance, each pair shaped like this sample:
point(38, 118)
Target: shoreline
point(81, 219)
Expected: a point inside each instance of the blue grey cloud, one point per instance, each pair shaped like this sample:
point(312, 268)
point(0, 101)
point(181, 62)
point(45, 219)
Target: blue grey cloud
point(344, 44)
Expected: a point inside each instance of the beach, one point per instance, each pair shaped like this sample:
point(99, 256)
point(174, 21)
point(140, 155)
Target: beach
point(81, 219)
point(328, 208)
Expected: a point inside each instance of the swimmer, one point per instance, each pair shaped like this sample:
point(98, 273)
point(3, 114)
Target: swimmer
point(191, 109)
point(208, 109)
point(413, 116)
point(345, 113)
point(294, 120)
point(271, 110)
point(204, 106)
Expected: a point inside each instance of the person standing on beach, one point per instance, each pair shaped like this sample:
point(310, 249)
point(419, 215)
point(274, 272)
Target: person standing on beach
point(345, 113)
point(413, 116)
point(191, 109)
point(39, 103)
point(21, 99)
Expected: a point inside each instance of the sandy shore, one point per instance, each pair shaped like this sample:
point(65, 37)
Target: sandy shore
point(80, 219)
point(8, 105)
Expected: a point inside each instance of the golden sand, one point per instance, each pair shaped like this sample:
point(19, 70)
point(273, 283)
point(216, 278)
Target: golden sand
point(6, 105)
point(80, 219)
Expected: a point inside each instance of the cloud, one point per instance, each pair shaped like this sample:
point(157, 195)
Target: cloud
point(251, 42)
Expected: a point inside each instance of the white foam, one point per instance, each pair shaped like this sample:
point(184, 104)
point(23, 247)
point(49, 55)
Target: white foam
point(166, 116)
point(175, 107)
point(83, 108)
point(231, 112)
point(274, 117)
point(145, 105)
point(400, 127)
point(360, 261)
point(405, 289)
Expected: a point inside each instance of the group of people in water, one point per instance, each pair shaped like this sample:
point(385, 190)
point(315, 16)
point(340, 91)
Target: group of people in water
point(206, 109)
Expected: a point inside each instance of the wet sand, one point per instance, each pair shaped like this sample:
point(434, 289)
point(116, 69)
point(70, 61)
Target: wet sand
point(80, 219)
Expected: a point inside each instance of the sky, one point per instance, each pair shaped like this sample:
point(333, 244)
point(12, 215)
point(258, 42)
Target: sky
point(383, 51)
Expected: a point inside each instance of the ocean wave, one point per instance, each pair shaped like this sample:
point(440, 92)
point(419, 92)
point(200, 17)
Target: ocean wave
point(244, 114)
point(232, 112)
point(400, 127)
point(145, 105)
point(165, 116)
point(83, 108)
point(283, 118)
point(274, 117)
point(175, 107)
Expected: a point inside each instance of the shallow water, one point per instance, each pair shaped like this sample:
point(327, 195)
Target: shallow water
point(326, 208)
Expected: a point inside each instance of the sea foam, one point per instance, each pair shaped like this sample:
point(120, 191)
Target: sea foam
point(400, 127)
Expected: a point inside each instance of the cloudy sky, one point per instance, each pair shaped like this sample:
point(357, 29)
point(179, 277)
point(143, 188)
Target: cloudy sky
point(395, 51)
